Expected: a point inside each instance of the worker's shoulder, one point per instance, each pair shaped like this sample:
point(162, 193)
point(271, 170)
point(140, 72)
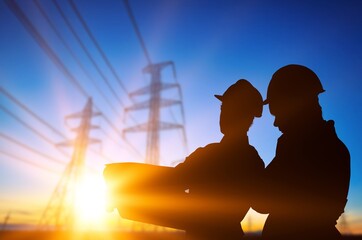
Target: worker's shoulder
point(200, 155)
point(209, 148)
point(255, 157)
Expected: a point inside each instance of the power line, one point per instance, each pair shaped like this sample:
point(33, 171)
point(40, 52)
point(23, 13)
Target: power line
point(133, 150)
point(39, 134)
point(23, 145)
point(24, 107)
point(121, 135)
point(105, 79)
point(144, 48)
point(28, 110)
point(135, 26)
point(52, 55)
point(77, 60)
point(94, 40)
point(16, 101)
point(27, 161)
point(42, 43)
point(108, 159)
point(155, 102)
point(111, 138)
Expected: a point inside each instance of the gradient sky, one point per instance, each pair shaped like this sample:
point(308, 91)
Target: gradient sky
point(212, 43)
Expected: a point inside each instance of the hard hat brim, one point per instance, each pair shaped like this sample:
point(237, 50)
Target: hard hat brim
point(267, 101)
point(218, 97)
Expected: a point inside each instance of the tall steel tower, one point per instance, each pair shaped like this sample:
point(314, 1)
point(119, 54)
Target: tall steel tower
point(154, 124)
point(59, 212)
point(155, 102)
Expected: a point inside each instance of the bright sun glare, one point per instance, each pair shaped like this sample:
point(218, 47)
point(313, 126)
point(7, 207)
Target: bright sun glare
point(90, 202)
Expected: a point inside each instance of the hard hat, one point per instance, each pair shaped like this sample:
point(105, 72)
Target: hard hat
point(293, 82)
point(244, 96)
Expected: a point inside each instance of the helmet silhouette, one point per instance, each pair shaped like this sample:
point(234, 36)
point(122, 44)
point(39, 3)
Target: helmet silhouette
point(293, 82)
point(243, 95)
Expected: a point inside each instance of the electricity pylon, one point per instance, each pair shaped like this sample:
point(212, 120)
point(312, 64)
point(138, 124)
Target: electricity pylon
point(60, 211)
point(8, 216)
point(154, 124)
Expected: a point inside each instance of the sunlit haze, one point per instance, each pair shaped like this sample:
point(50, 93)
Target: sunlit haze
point(48, 73)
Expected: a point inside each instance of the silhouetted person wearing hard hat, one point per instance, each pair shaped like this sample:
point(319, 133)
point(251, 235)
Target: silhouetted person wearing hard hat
point(305, 187)
point(221, 177)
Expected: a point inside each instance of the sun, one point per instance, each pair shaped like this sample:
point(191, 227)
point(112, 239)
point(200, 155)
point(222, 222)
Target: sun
point(90, 202)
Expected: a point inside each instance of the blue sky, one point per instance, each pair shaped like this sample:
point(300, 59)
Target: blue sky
point(212, 44)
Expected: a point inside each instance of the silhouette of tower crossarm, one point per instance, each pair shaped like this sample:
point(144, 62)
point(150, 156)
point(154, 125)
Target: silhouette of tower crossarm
point(144, 127)
point(158, 87)
point(60, 210)
point(155, 70)
point(155, 102)
point(148, 127)
point(147, 104)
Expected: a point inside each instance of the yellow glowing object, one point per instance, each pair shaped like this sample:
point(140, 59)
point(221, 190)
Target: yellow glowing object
point(90, 202)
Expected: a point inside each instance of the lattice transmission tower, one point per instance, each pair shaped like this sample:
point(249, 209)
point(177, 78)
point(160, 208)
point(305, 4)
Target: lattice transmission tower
point(155, 102)
point(154, 124)
point(60, 210)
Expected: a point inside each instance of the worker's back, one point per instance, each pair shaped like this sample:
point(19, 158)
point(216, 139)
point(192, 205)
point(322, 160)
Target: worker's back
point(220, 178)
point(308, 181)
